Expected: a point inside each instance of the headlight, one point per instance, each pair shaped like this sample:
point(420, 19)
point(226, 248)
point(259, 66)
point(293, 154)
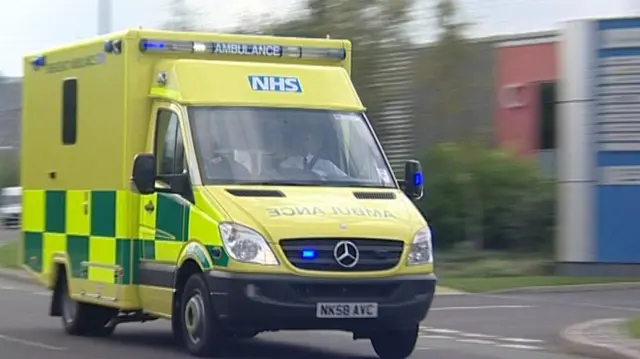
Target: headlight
point(246, 245)
point(421, 251)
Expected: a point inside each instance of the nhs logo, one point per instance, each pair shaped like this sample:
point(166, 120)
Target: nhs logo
point(275, 83)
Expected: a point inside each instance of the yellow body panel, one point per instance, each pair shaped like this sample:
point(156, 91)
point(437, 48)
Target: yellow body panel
point(80, 212)
point(224, 83)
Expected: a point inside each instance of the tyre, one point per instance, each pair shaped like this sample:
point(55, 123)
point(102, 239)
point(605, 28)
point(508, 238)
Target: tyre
point(176, 321)
point(201, 335)
point(395, 344)
point(83, 319)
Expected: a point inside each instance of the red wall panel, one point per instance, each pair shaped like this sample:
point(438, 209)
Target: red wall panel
point(526, 65)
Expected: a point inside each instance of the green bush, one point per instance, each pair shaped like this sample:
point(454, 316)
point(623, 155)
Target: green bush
point(9, 168)
point(491, 198)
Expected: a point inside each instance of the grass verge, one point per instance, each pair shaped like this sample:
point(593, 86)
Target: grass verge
point(480, 285)
point(9, 254)
point(633, 327)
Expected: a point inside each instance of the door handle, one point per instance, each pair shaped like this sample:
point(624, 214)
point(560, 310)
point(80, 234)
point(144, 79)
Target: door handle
point(149, 207)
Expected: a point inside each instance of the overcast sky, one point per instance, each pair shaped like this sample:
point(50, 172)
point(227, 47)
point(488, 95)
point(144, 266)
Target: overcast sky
point(32, 25)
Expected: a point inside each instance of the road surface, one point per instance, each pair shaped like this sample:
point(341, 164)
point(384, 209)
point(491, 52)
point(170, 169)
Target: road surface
point(459, 327)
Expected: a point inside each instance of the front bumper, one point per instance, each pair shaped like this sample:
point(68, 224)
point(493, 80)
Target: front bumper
point(256, 303)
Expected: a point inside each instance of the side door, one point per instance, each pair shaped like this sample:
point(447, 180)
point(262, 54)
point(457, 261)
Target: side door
point(163, 215)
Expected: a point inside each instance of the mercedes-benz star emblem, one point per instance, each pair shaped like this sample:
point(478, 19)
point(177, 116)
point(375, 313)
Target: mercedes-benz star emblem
point(346, 254)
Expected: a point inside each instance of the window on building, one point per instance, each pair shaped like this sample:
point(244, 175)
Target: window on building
point(547, 119)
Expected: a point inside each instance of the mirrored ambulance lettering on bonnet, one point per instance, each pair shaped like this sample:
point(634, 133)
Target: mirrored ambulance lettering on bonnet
point(330, 211)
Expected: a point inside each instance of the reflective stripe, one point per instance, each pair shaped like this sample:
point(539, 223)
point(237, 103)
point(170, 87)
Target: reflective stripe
point(171, 95)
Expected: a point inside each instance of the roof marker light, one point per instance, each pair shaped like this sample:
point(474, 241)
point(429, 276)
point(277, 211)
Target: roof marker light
point(199, 47)
point(113, 46)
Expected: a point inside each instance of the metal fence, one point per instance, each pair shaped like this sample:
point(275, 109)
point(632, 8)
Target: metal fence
point(11, 222)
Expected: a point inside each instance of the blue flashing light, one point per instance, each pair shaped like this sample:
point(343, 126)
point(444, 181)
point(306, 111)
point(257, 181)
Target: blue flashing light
point(153, 45)
point(417, 179)
point(309, 254)
point(38, 62)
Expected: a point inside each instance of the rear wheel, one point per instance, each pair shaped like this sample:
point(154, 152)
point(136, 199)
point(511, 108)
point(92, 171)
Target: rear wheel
point(84, 319)
point(395, 344)
point(201, 334)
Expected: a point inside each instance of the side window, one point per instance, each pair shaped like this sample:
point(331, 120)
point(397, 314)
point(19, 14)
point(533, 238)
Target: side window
point(69, 111)
point(169, 146)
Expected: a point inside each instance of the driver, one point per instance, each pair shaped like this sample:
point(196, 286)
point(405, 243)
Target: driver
point(306, 144)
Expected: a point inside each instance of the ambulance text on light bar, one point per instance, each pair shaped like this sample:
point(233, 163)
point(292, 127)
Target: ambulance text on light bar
point(240, 49)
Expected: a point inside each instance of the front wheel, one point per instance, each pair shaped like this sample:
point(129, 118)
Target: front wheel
point(201, 334)
point(395, 344)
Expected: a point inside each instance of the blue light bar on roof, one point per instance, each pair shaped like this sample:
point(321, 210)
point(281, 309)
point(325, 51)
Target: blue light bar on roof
point(243, 49)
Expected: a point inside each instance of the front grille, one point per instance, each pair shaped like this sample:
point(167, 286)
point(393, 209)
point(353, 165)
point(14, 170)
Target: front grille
point(375, 254)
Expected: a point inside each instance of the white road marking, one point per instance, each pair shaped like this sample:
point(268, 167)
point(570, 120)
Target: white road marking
point(519, 346)
point(46, 294)
point(478, 338)
point(29, 343)
point(7, 287)
point(423, 348)
point(567, 303)
point(476, 335)
point(522, 340)
point(441, 331)
point(436, 337)
point(476, 341)
point(483, 307)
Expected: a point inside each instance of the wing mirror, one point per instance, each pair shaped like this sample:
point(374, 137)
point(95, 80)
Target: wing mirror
point(144, 173)
point(413, 180)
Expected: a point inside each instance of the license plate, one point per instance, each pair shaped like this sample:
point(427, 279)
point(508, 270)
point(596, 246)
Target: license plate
point(347, 310)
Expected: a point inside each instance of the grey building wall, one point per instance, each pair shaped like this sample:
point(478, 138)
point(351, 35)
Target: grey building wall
point(477, 105)
point(10, 111)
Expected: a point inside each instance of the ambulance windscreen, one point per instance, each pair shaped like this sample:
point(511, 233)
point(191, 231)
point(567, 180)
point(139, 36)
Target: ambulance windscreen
point(278, 146)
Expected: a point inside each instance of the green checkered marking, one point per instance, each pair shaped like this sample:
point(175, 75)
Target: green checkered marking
point(103, 213)
point(172, 217)
point(33, 247)
point(148, 249)
point(56, 211)
point(78, 252)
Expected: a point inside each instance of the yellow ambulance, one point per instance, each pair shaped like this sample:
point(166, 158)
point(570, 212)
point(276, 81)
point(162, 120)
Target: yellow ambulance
point(231, 184)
